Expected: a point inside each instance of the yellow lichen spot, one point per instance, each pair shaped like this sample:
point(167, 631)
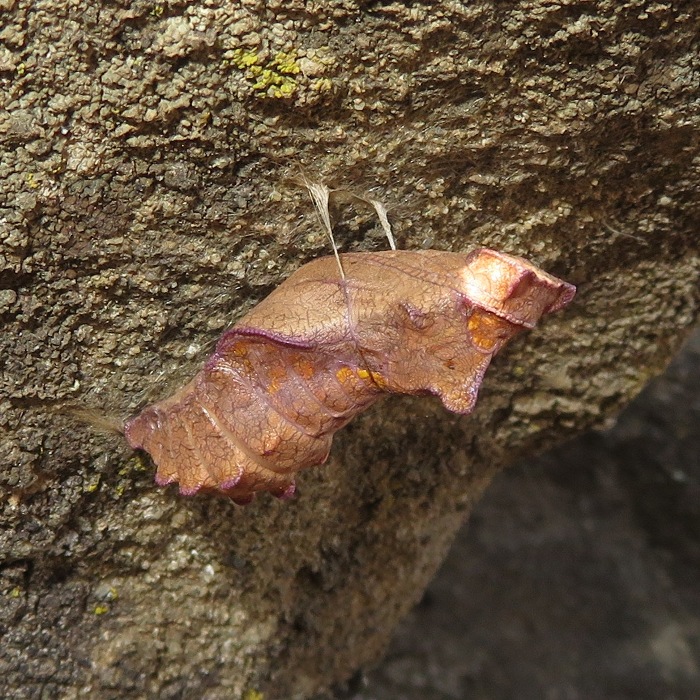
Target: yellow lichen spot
point(322, 85)
point(157, 10)
point(274, 83)
point(264, 80)
point(244, 59)
point(364, 374)
point(93, 485)
point(101, 609)
point(273, 78)
point(253, 695)
point(286, 89)
point(16, 592)
point(30, 179)
point(286, 63)
point(133, 464)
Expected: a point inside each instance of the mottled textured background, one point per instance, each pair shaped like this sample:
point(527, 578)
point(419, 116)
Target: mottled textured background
point(147, 200)
point(577, 576)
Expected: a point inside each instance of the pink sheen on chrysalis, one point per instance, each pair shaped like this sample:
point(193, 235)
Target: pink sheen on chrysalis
point(322, 347)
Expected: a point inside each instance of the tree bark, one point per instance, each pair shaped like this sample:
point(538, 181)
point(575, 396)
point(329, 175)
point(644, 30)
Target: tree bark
point(147, 201)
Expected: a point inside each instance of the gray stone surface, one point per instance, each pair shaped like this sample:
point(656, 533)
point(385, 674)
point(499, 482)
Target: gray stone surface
point(145, 202)
point(577, 577)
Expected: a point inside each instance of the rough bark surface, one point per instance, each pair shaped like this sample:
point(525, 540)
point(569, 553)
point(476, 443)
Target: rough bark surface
point(146, 153)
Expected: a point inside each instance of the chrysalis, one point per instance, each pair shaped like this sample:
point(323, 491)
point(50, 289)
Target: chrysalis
point(328, 343)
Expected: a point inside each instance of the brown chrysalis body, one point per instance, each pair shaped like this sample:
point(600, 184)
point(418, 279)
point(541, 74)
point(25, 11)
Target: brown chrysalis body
point(323, 347)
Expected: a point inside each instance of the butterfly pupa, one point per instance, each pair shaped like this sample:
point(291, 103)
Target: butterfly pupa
point(339, 334)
